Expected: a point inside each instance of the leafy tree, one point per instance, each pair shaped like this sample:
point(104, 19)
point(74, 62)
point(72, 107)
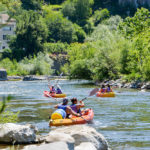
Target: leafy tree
point(31, 33)
point(32, 4)
point(61, 29)
point(77, 11)
point(100, 15)
point(139, 56)
point(130, 27)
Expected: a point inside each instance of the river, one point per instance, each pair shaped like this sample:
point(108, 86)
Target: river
point(124, 120)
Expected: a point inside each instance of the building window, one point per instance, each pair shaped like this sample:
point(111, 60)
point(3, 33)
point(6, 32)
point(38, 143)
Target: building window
point(6, 37)
point(6, 28)
point(3, 47)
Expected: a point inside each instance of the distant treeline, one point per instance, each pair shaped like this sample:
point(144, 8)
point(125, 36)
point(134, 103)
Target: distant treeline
point(98, 44)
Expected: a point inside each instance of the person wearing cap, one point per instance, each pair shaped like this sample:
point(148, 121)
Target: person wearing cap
point(67, 108)
point(75, 106)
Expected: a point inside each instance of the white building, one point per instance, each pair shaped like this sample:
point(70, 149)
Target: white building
point(6, 29)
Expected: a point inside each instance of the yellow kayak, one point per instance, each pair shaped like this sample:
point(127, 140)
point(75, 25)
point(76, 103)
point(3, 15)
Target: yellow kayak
point(85, 118)
point(47, 94)
point(107, 94)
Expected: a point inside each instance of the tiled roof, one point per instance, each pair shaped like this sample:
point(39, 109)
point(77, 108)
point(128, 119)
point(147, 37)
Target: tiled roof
point(4, 19)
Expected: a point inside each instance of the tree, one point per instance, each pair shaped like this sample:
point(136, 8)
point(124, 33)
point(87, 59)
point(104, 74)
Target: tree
point(62, 29)
point(32, 4)
point(77, 11)
point(31, 33)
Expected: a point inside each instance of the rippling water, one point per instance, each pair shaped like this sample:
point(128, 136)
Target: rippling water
point(123, 120)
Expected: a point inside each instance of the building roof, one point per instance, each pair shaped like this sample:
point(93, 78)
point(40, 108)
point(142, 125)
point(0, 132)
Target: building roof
point(4, 19)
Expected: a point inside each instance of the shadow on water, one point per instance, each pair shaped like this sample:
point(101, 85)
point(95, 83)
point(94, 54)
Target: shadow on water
point(123, 120)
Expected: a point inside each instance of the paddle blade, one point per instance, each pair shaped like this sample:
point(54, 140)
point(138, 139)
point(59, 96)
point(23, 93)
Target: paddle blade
point(94, 91)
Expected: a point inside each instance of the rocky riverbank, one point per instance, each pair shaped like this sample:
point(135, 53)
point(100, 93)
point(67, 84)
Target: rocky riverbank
point(77, 137)
point(123, 84)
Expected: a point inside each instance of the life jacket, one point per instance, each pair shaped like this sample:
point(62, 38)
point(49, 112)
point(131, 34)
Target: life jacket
point(59, 91)
point(108, 89)
point(52, 90)
point(103, 90)
point(74, 108)
point(62, 107)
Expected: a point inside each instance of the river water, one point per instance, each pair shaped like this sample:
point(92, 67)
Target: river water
point(124, 120)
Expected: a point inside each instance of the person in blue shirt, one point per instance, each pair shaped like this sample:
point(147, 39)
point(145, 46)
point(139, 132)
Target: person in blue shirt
point(66, 108)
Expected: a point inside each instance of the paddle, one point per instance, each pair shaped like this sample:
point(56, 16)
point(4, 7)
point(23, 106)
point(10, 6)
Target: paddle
point(93, 92)
point(59, 77)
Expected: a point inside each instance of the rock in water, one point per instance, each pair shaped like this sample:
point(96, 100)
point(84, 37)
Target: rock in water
point(84, 133)
point(12, 133)
point(3, 75)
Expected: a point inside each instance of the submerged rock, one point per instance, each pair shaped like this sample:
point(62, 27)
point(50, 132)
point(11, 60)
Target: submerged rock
point(12, 133)
point(3, 75)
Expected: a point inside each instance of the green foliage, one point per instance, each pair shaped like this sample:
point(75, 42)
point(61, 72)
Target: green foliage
point(61, 29)
point(139, 56)
point(12, 67)
point(55, 47)
point(130, 27)
point(32, 4)
point(55, 1)
point(100, 15)
point(7, 116)
point(40, 65)
point(31, 33)
point(77, 11)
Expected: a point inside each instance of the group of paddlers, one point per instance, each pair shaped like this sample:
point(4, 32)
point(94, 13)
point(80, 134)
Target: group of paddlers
point(75, 107)
point(105, 89)
point(55, 91)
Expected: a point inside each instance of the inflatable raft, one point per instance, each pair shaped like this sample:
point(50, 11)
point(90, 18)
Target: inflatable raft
point(85, 118)
point(48, 94)
point(107, 94)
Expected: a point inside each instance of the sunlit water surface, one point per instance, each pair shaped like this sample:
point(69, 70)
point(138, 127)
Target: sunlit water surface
point(124, 120)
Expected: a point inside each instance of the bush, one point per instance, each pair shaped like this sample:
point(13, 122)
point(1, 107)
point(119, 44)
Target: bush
point(40, 65)
point(55, 47)
point(100, 15)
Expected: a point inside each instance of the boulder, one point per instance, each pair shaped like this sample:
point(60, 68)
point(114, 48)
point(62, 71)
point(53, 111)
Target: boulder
point(146, 86)
point(12, 133)
point(3, 75)
point(56, 136)
point(84, 133)
point(85, 146)
point(50, 146)
point(32, 78)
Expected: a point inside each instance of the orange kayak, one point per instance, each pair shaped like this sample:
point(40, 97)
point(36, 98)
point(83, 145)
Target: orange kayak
point(107, 94)
point(86, 117)
point(48, 94)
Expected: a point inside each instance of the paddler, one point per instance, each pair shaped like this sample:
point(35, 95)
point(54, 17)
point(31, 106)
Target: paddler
point(66, 108)
point(103, 89)
point(108, 88)
point(75, 106)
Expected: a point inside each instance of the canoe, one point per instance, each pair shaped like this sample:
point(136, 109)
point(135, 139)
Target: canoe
point(47, 94)
point(107, 94)
point(86, 117)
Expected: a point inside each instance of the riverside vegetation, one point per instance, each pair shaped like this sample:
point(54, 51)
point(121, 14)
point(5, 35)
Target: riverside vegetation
point(98, 43)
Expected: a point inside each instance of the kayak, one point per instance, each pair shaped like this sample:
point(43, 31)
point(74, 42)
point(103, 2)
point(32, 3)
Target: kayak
point(47, 94)
point(86, 117)
point(107, 94)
